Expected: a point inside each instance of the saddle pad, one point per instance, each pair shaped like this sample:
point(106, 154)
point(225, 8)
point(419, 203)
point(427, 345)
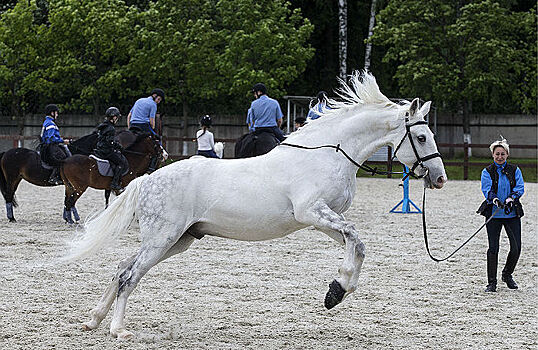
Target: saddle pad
point(104, 167)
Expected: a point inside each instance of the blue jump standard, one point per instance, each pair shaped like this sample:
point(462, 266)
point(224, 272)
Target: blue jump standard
point(406, 203)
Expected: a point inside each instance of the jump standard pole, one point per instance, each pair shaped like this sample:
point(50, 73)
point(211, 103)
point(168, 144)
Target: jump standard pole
point(406, 203)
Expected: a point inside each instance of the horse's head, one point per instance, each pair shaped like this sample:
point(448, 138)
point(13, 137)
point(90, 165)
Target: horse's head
point(416, 147)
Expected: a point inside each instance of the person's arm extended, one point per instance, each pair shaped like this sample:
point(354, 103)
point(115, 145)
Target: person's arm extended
point(152, 123)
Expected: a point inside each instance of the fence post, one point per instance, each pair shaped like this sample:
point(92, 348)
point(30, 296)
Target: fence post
point(389, 162)
point(465, 160)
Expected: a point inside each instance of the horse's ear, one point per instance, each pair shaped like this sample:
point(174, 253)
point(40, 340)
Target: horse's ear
point(413, 108)
point(426, 108)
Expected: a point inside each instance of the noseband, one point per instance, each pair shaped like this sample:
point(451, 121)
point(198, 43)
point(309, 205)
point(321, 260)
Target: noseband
point(420, 160)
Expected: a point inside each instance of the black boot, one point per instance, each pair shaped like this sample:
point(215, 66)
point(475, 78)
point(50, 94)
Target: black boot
point(55, 178)
point(492, 272)
point(152, 164)
point(491, 287)
point(116, 179)
point(510, 283)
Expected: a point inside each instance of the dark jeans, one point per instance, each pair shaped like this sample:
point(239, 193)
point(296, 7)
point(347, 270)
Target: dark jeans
point(118, 161)
point(512, 227)
point(208, 154)
point(274, 129)
point(144, 127)
point(54, 153)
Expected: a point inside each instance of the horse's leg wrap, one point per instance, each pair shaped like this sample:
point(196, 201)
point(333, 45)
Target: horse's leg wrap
point(67, 216)
point(9, 211)
point(75, 213)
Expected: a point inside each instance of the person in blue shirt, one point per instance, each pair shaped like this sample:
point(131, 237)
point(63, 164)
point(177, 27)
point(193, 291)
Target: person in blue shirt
point(502, 186)
point(265, 113)
point(142, 117)
point(53, 148)
point(321, 102)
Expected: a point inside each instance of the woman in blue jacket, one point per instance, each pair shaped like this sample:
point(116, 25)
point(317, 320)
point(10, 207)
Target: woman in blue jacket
point(503, 186)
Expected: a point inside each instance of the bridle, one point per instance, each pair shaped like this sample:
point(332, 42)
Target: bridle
point(420, 160)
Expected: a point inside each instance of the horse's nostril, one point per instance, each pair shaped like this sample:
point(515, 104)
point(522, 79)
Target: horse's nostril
point(441, 179)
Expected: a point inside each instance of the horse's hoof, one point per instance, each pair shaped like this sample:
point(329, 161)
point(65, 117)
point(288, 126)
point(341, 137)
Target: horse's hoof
point(89, 326)
point(122, 334)
point(334, 295)
point(12, 220)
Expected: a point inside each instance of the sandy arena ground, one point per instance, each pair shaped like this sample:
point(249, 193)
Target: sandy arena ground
point(223, 294)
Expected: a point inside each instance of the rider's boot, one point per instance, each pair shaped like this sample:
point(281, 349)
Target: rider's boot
point(152, 164)
point(55, 178)
point(116, 179)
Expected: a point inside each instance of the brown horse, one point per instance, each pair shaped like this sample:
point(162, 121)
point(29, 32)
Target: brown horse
point(80, 172)
point(17, 164)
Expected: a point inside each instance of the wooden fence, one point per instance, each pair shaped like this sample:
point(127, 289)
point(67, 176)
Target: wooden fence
point(389, 163)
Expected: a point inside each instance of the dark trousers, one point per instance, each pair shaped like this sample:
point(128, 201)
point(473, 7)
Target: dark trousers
point(274, 129)
point(208, 154)
point(54, 153)
point(512, 227)
point(146, 127)
point(118, 161)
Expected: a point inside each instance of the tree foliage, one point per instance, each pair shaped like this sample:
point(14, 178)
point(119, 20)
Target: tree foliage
point(466, 54)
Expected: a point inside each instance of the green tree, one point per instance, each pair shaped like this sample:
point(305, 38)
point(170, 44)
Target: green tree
point(21, 58)
point(463, 54)
point(202, 49)
point(89, 46)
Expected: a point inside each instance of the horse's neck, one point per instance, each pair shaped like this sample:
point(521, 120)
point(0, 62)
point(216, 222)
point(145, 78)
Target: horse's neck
point(359, 136)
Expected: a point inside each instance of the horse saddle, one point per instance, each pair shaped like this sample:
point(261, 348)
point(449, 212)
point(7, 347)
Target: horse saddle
point(104, 167)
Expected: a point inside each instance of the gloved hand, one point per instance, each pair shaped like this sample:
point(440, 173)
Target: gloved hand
point(497, 202)
point(508, 205)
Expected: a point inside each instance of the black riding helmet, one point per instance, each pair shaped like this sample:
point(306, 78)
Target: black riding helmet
point(259, 87)
point(51, 108)
point(206, 121)
point(158, 92)
point(112, 112)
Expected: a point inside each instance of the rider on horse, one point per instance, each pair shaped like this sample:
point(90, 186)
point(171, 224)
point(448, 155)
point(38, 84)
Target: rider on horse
point(265, 113)
point(53, 147)
point(109, 148)
point(205, 139)
point(142, 116)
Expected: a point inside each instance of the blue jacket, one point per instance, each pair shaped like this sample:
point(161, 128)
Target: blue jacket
point(50, 132)
point(503, 190)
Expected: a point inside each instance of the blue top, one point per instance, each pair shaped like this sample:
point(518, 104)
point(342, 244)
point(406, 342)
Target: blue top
point(264, 112)
point(50, 132)
point(313, 112)
point(503, 190)
point(143, 110)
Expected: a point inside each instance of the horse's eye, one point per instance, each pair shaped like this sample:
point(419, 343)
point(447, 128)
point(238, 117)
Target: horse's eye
point(421, 138)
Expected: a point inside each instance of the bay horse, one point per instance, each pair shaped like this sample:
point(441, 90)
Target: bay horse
point(80, 172)
point(298, 187)
point(20, 163)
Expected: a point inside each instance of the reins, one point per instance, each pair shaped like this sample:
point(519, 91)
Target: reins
point(461, 246)
point(372, 171)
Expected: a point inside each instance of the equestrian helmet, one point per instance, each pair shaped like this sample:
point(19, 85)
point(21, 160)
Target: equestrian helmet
point(259, 87)
point(158, 92)
point(51, 108)
point(206, 121)
point(112, 112)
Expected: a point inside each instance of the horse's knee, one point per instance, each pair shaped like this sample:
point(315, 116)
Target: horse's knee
point(360, 250)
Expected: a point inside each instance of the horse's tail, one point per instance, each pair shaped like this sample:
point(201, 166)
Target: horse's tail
point(4, 186)
point(105, 226)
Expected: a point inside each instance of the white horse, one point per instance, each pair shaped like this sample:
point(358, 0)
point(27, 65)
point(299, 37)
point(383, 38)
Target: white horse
point(264, 197)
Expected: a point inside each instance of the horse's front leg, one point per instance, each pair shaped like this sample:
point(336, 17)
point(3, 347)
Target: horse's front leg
point(333, 224)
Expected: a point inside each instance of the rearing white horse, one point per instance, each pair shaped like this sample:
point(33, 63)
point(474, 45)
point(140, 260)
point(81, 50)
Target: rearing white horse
point(265, 197)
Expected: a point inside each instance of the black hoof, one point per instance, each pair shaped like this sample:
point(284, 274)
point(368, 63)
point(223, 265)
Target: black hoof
point(12, 220)
point(334, 295)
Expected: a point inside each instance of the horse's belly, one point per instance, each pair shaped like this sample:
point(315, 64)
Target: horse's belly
point(249, 229)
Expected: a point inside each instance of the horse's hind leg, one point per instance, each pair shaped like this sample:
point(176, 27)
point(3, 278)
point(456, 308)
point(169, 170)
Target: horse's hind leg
point(9, 196)
point(162, 243)
point(334, 224)
point(103, 306)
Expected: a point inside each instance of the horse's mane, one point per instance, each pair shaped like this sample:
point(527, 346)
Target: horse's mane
point(361, 90)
